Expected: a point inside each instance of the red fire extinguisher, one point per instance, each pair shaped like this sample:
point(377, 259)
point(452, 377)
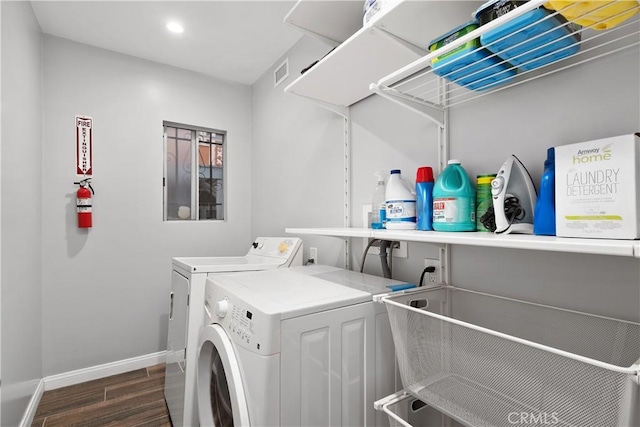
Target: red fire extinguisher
point(84, 203)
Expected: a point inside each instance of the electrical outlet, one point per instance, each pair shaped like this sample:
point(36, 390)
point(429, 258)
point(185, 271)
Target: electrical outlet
point(313, 256)
point(399, 250)
point(435, 276)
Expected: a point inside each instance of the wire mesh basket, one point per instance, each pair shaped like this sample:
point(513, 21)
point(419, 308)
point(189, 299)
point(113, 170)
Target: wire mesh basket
point(486, 360)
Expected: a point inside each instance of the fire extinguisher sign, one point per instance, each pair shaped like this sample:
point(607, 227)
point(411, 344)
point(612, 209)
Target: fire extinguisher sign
point(84, 146)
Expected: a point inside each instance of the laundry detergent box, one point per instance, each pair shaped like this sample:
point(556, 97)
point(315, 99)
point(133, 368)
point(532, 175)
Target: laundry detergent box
point(597, 184)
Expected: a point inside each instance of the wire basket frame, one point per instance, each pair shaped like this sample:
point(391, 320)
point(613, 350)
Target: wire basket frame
point(492, 361)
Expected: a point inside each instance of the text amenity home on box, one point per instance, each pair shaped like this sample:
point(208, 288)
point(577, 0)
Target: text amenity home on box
point(597, 184)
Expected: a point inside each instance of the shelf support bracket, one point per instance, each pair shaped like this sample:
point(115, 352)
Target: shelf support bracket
point(433, 112)
point(402, 43)
point(329, 41)
point(338, 109)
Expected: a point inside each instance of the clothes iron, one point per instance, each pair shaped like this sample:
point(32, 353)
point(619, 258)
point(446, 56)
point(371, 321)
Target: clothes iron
point(514, 198)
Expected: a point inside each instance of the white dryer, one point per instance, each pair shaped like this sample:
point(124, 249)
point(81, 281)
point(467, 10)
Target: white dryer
point(297, 347)
point(187, 291)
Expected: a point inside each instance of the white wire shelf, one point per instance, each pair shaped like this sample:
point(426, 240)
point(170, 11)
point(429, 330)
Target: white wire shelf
point(418, 84)
point(623, 248)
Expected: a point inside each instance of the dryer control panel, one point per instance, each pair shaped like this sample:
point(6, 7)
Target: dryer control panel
point(276, 247)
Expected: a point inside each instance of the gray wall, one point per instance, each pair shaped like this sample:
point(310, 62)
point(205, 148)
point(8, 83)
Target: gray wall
point(21, 171)
point(588, 102)
point(106, 289)
point(297, 159)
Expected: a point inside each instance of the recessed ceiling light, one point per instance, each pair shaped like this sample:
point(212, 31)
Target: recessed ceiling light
point(174, 27)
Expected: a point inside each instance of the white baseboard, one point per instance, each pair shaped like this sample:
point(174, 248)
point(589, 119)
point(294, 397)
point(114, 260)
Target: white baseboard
point(96, 372)
point(32, 407)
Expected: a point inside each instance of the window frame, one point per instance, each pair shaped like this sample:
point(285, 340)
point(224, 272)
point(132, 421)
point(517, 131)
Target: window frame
point(195, 175)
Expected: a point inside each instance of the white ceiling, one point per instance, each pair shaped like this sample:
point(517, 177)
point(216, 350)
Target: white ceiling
point(234, 40)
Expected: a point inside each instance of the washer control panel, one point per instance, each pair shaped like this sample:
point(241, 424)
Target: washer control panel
point(245, 325)
point(241, 324)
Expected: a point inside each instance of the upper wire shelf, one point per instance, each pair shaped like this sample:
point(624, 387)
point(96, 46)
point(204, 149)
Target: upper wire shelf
point(419, 84)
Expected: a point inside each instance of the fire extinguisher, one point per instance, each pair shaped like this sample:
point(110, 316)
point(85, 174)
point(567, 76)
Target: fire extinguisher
point(84, 203)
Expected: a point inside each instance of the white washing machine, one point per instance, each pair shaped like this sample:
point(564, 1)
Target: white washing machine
point(187, 290)
point(305, 346)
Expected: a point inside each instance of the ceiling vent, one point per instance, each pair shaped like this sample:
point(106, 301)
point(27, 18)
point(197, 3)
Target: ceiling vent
point(281, 73)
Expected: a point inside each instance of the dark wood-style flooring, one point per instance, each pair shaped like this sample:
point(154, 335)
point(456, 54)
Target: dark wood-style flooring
point(132, 399)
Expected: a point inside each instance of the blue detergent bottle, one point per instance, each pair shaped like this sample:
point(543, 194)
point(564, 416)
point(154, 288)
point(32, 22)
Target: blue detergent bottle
point(544, 214)
point(454, 200)
point(424, 198)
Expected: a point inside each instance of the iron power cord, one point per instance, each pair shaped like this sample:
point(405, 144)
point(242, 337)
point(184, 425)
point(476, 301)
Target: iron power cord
point(512, 210)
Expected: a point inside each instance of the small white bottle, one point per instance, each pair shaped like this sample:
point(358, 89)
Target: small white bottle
point(379, 204)
point(401, 203)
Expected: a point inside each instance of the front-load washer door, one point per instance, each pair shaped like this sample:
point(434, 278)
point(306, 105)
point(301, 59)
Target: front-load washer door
point(222, 401)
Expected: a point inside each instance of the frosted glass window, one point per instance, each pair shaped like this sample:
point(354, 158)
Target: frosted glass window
point(193, 193)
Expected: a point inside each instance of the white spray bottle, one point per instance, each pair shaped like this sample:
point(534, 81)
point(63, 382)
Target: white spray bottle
point(379, 205)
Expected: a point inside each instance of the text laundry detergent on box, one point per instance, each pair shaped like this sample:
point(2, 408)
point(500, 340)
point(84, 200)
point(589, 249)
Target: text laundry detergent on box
point(597, 184)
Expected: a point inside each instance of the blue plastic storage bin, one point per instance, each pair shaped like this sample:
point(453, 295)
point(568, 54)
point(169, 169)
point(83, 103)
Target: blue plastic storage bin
point(469, 65)
point(528, 41)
